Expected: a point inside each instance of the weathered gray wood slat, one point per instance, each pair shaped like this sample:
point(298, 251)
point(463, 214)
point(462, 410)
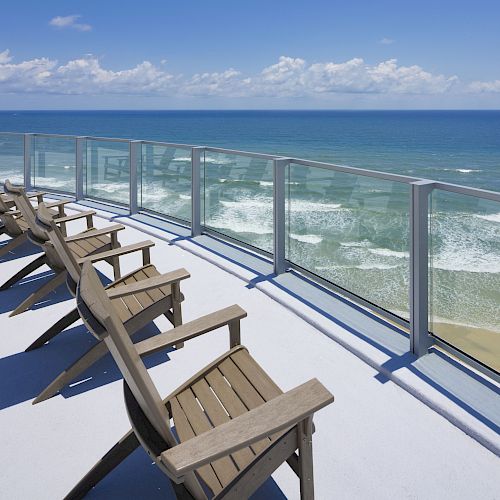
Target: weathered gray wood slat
point(224, 466)
point(218, 415)
point(185, 432)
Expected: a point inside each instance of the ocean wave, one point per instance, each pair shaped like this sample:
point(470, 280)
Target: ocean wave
point(314, 239)
point(236, 225)
point(356, 244)
point(366, 266)
point(490, 217)
point(385, 252)
point(467, 170)
point(468, 263)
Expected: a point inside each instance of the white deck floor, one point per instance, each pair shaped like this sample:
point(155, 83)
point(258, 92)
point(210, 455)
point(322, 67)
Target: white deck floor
point(375, 441)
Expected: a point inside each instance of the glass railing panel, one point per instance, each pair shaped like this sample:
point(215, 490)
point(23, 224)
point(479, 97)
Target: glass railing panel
point(165, 180)
point(107, 171)
point(238, 198)
point(353, 231)
point(464, 274)
point(12, 158)
point(53, 162)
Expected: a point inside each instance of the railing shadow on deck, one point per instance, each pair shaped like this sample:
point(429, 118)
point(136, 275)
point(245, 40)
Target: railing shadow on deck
point(394, 342)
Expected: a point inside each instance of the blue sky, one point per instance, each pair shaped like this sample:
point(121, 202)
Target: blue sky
point(253, 54)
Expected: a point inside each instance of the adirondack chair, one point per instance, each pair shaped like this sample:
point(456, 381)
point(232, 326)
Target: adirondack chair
point(88, 242)
point(12, 222)
point(138, 298)
point(234, 425)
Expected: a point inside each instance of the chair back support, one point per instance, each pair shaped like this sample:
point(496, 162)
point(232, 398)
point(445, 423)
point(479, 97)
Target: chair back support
point(98, 314)
point(26, 208)
point(3, 206)
point(45, 221)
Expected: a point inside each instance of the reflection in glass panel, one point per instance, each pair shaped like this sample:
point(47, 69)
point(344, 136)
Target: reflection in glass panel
point(238, 199)
point(107, 171)
point(353, 231)
point(464, 275)
point(166, 180)
point(53, 160)
point(12, 158)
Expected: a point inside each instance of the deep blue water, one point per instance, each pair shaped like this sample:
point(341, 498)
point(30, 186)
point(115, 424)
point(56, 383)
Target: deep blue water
point(455, 146)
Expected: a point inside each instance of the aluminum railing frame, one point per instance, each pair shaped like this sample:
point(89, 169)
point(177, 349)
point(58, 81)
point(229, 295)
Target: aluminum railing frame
point(420, 191)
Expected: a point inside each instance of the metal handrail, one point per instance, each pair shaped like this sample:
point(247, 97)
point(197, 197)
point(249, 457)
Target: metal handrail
point(420, 192)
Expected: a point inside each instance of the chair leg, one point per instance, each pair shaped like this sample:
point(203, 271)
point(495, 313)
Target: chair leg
point(79, 366)
point(32, 266)
point(306, 459)
point(56, 328)
point(177, 309)
point(108, 462)
point(35, 297)
point(13, 243)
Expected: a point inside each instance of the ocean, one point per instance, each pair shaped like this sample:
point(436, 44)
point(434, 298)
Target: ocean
point(348, 229)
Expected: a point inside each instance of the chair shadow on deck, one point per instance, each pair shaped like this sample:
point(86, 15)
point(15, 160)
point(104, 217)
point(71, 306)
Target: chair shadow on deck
point(138, 477)
point(25, 374)
point(13, 296)
point(24, 250)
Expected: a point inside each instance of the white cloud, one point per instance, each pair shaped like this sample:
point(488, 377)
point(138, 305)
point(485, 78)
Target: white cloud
point(289, 77)
point(483, 87)
point(386, 41)
point(69, 22)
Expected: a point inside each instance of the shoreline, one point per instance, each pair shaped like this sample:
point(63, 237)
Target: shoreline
point(479, 343)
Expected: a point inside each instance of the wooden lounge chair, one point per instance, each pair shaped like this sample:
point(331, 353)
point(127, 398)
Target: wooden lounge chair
point(234, 425)
point(88, 242)
point(12, 223)
point(138, 298)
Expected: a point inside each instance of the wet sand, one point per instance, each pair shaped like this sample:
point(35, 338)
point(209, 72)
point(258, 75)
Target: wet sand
point(479, 343)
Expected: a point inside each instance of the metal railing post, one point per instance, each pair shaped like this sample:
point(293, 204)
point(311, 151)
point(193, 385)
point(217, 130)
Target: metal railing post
point(28, 138)
point(79, 149)
point(135, 155)
point(419, 266)
point(196, 190)
point(279, 229)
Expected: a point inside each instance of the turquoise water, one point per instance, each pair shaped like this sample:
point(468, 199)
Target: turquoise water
point(349, 229)
point(453, 146)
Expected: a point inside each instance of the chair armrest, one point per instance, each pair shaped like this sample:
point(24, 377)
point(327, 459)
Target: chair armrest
point(97, 232)
point(36, 194)
point(148, 284)
point(116, 252)
point(187, 331)
point(281, 413)
point(58, 203)
point(77, 216)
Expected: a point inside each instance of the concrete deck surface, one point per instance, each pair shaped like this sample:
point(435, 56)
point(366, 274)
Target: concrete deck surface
point(375, 441)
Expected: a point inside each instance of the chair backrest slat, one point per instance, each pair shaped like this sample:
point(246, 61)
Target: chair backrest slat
point(45, 221)
point(99, 316)
point(27, 209)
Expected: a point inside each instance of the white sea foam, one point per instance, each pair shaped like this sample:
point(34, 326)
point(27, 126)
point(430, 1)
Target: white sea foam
point(307, 238)
point(356, 244)
point(313, 206)
point(266, 183)
point(490, 217)
point(363, 266)
point(385, 252)
point(374, 265)
point(467, 170)
point(237, 225)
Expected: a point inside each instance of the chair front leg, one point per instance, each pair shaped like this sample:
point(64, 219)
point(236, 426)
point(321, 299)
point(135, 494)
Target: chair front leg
point(304, 431)
point(115, 261)
point(177, 309)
